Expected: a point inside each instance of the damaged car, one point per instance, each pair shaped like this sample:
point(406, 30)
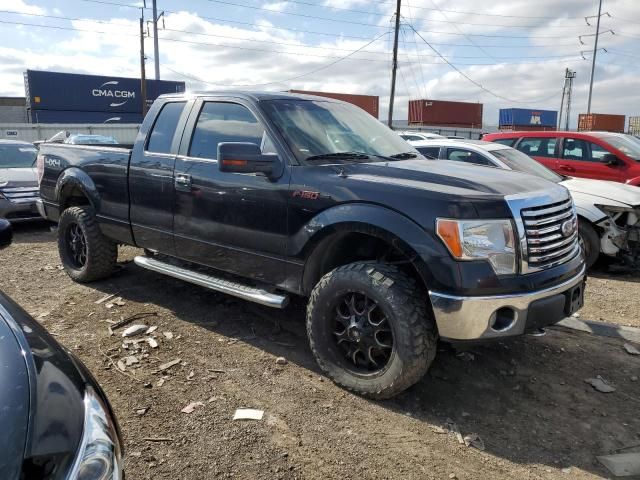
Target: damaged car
point(608, 212)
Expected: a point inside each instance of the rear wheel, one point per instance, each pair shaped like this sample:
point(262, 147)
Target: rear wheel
point(589, 242)
point(370, 329)
point(86, 254)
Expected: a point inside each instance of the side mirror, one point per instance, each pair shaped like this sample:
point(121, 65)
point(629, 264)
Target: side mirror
point(242, 157)
point(610, 159)
point(6, 233)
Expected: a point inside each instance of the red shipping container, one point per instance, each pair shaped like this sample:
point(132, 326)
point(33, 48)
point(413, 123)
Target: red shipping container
point(369, 103)
point(445, 114)
point(590, 122)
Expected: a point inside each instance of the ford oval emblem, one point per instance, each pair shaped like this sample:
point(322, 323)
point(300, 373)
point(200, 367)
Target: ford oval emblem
point(567, 228)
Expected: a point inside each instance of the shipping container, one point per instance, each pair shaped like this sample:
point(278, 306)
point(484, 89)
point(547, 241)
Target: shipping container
point(445, 113)
point(91, 93)
point(634, 126)
point(73, 117)
point(601, 122)
point(520, 117)
point(369, 103)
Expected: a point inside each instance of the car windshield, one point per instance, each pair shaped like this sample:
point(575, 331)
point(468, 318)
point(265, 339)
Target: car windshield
point(521, 162)
point(627, 144)
point(320, 132)
point(17, 156)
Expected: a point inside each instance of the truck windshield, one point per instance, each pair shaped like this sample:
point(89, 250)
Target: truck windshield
point(330, 132)
point(17, 156)
point(520, 162)
point(627, 144)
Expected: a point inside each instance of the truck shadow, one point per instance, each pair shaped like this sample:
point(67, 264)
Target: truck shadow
point(37, 231)
point(526, 398)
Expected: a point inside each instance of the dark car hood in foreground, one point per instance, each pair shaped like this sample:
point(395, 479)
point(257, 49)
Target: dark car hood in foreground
point(47, 387)
point(453, 178)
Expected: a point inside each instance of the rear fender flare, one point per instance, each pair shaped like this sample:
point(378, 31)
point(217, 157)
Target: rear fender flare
point(75, 178)
point(397, 230)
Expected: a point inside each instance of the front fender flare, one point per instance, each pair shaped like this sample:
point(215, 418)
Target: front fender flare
point(72, 178)
point(416, 243)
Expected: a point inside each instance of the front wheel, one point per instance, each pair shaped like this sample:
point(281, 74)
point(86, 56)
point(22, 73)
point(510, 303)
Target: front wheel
point(589, 242)
point(86, 254)
point(370, 329)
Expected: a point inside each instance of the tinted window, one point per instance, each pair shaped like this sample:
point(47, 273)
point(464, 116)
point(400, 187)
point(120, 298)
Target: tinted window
point(17, 156)
point(582, 150)
point(164, 129)
point(467, 156)
point(413, 138)
point(538, 147)
point(224, 122)
point(429, 152)
point(505, 141)
point(520, 162)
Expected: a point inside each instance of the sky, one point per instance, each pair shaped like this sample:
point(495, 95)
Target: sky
point(504, 53)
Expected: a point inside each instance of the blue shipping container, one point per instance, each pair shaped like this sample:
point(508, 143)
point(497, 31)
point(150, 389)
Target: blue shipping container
point(65, 116)
point(528, 117)
point(91, 93)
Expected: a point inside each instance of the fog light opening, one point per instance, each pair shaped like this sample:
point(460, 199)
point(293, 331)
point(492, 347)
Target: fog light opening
point(503, 319)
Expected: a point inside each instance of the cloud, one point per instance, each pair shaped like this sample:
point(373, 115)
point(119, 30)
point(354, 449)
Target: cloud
point(21, 6)
point(276, 6)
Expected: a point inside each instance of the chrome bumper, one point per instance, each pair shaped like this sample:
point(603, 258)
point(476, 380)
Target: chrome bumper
point(474, 318)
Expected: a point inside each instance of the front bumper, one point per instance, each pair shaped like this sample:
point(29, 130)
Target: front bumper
point(19, 212)
point(477, 318)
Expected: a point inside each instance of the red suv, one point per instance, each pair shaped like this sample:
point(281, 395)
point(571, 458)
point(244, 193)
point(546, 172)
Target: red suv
point(599, 155)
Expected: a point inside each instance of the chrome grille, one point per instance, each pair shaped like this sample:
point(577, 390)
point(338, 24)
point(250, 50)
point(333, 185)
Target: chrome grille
point(20, 194)
point(550, 239)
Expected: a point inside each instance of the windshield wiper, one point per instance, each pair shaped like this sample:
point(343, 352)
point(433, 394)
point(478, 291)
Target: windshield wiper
point(339, 155)
point(404, 156)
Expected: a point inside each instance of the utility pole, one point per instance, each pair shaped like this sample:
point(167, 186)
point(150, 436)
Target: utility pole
point(567, 91)
point(595, 52)
point(143, 74)
point(394, 67)
point(156, 48)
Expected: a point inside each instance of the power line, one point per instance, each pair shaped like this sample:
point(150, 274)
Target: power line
point(477, 84)
point(324, 67)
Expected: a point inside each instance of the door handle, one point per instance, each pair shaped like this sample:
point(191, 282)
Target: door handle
point(567, 168)
point(183, 181)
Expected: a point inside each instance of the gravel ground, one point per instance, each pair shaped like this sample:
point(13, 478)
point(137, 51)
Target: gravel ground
point(526, 398)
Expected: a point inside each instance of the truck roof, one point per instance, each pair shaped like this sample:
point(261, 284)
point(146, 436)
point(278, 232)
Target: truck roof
point(251, 95)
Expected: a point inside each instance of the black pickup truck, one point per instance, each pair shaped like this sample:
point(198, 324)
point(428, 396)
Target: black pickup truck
point(264, 195)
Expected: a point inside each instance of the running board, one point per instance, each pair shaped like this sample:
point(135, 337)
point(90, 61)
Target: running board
point(239, 290)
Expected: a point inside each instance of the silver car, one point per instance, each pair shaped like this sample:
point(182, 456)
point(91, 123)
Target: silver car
point(18, 181)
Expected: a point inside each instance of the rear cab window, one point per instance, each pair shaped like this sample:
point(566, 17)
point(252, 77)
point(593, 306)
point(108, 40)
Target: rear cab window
point(165, 128)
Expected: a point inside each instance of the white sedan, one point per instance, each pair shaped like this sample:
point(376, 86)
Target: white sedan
point(608, 212)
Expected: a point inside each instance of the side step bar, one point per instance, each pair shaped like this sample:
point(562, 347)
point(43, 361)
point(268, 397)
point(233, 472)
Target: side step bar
point(239, 290)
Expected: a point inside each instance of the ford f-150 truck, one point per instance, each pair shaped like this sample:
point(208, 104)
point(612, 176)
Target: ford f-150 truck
point(265, 195)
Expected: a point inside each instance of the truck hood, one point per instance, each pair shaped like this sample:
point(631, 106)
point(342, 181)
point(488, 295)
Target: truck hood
point(453, 178)
point(602, 190)
point(18, 177)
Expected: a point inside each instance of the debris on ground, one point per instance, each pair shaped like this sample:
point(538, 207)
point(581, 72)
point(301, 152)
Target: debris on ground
point(622, 464)
point(167, 335)
point(130, 360)
point(248, 414)
point(104, 299)
point(167, 365)
point(600, 384)
point(281, 361)
point(466, 356)
point(453, 428)
point(191, 375)
point(634, 378)
point(142, 411)
point(116, 302)
point(151, 329)
point(158, 439)
point(134, 330)
point(152, 342)
point(128, 320)
point(439, 430)
point(630, 349)
point(121, 366)
point(191, 407)
point(474, 440)
point(160, 382)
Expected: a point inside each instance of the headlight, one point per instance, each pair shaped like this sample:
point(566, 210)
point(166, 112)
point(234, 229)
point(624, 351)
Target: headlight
point(99, 456)
point(492, 240)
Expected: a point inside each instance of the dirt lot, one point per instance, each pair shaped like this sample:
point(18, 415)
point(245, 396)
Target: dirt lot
point(526, 399)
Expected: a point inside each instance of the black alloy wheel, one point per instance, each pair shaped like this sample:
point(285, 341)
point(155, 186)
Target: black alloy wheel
point(77, 245)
